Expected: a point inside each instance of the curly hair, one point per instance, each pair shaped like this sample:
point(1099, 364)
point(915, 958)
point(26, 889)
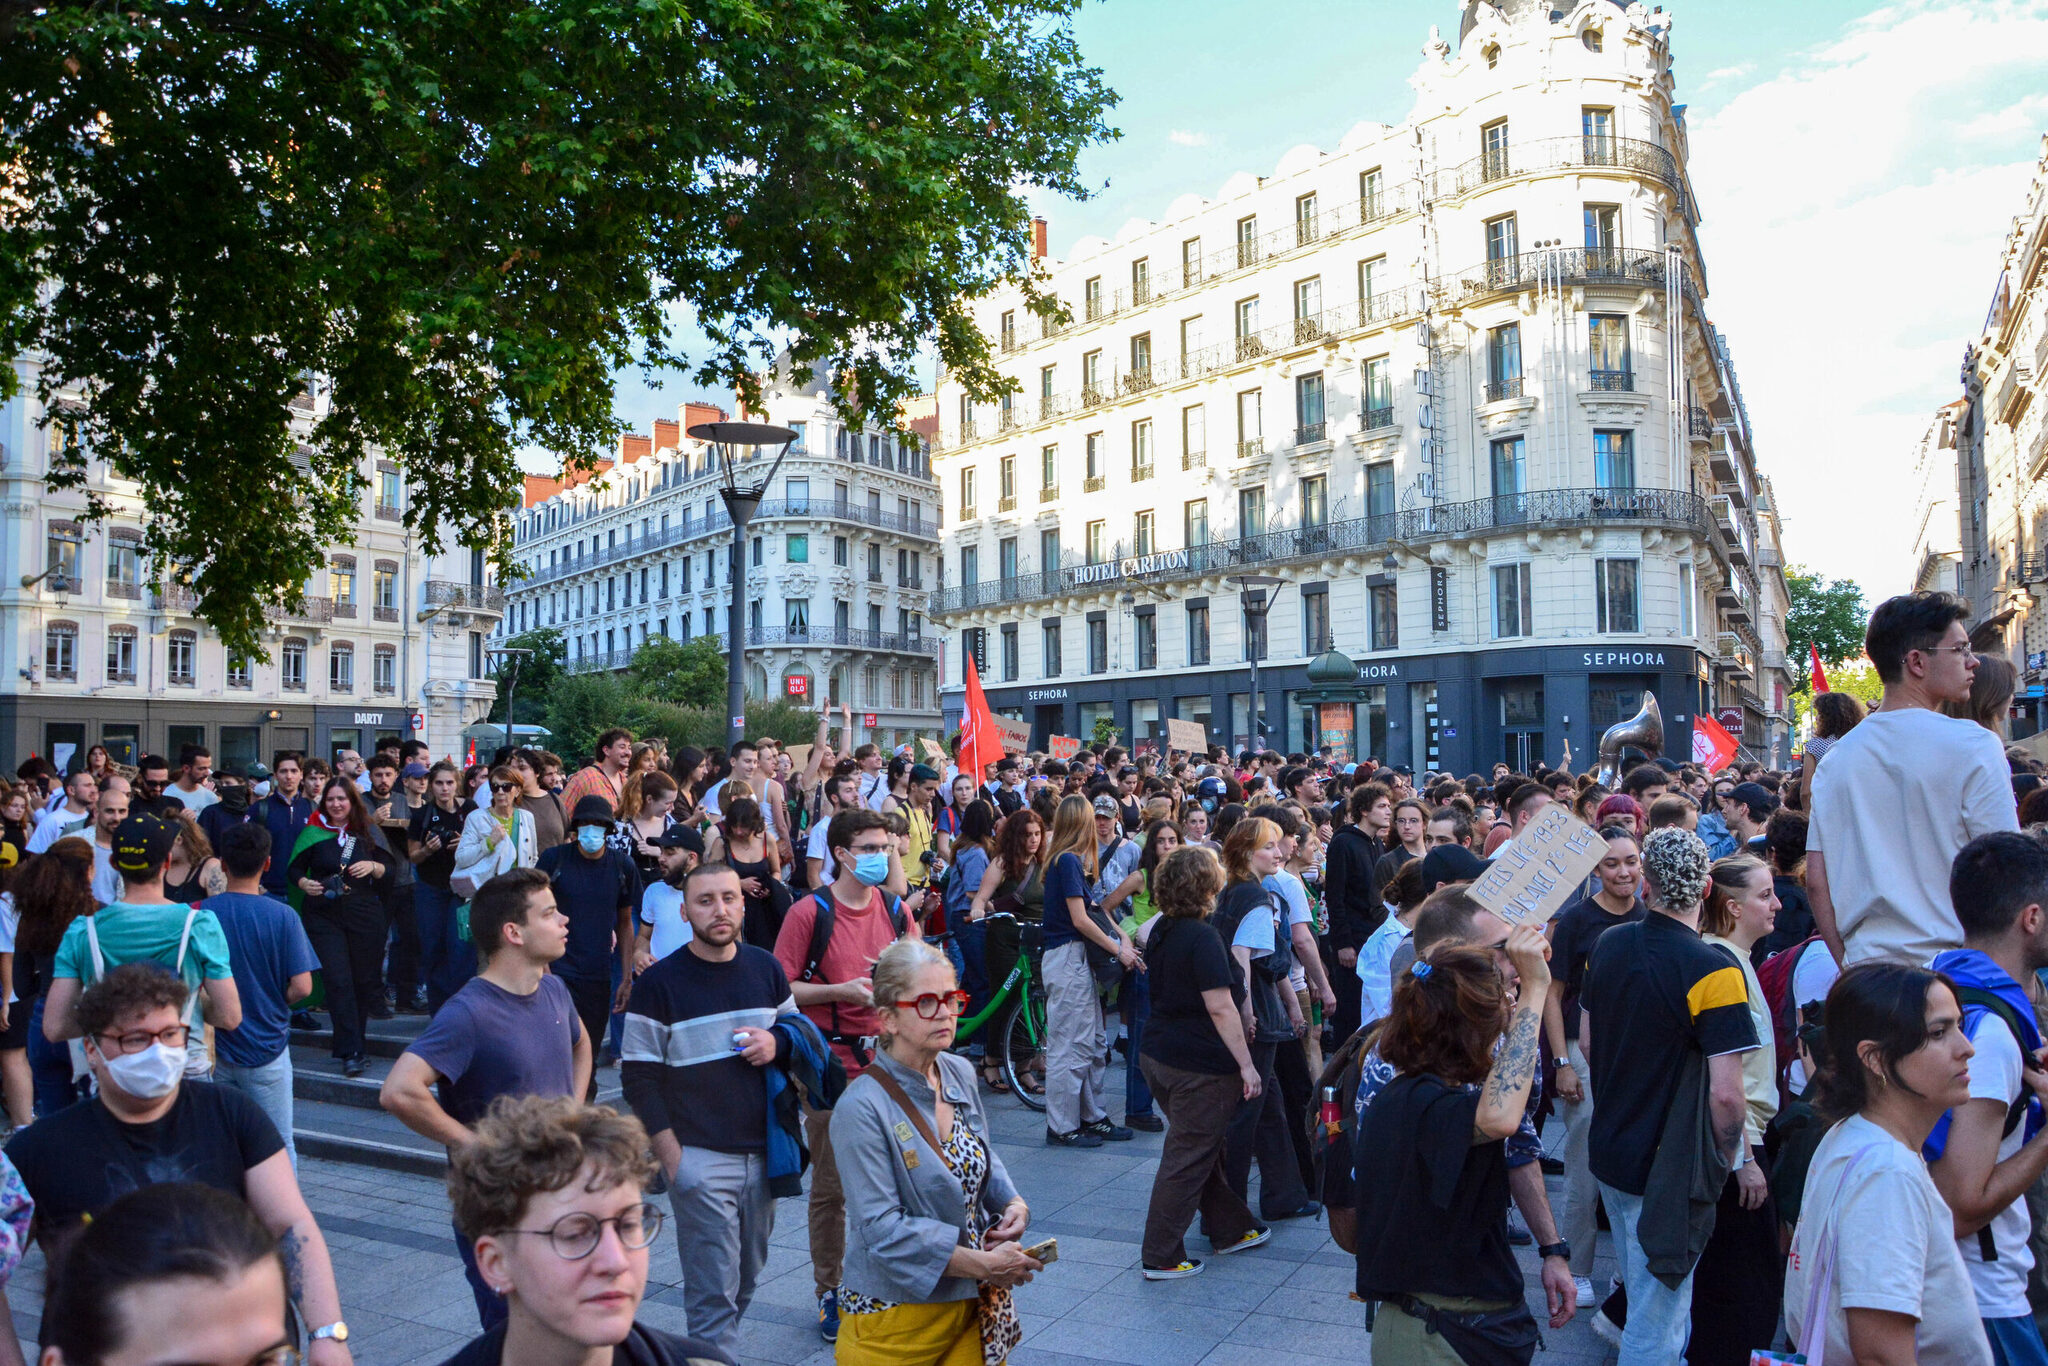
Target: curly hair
point(1676, 866)
point(1187, 883)
point(526, 1145)
point(1014, 838)
point(53, 889)
point(129, 990)
point(1448, 1012)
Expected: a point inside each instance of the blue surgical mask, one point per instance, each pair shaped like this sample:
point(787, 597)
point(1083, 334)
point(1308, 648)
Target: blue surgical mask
point(872, 870)
point(1209, 804)
point(590, 838)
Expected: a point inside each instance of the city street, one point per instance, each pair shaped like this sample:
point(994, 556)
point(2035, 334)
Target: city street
point(1285, 1304)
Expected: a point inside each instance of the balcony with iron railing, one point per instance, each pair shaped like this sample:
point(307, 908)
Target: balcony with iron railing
point(1631, 267)
point(1500, 390)
point(468, 597)
point(1095, 483)
point(691, 526)
point(1253, 448)
point(1049, 494)
point(1311, 433)
point(1140, 473)
point(1007, 503)
point(1546, 509)
point(1611, 382)
point(1698, 425)
point(757, 637)
point(1373, 419)
point(1194, 460)
point(1534, 156)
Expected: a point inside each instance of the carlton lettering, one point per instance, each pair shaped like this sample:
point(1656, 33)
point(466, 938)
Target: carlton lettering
point(1603, 659)
point(1130, 567)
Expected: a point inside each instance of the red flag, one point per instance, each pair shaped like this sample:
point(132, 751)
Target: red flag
point(1712, 746)
point(981, 744)
point(1820, 680)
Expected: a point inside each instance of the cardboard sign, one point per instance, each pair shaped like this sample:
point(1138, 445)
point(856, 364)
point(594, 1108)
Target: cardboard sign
point(933, 751)
point(799, 755)
point(1534, 874)
point(1016, 734)
point(1063, 747)
point(1186, 736)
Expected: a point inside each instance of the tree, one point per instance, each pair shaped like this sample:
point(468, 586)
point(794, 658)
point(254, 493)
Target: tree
point(538, 673)
point(1827, 613)
point(441, 226)
point(1104, 732)
point(689, 673)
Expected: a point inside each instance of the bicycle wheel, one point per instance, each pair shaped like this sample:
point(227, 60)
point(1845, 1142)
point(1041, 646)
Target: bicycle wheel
point(1023, 1035)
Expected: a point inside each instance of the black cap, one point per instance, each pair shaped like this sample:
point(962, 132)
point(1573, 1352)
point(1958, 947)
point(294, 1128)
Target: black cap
point(679, 837)
point(142, 844)
point(1756, 797)
point(593, 810)
point(1450, 863)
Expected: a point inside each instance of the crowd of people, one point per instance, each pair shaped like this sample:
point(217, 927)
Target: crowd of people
point(1785, 1042)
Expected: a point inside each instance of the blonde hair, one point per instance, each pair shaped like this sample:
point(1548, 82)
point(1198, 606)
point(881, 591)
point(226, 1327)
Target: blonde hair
point(1248, 835)
point(1728, 876)
point(1073, 832)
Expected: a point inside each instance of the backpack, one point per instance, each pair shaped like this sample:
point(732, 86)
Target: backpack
point(822, 925)
point(1775, 977)
point(1331, 1150)
point(1993, 1003)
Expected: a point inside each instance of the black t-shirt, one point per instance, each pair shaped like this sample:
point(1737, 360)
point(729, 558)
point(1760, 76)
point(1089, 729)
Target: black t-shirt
point(590, 892)
point(1573, 934)
point(1656, 992)
point(432, 820)
point(679, 1071)
point(1183, 959)
point(1432, 1210)
point(1389, 864)
point(82, 1159)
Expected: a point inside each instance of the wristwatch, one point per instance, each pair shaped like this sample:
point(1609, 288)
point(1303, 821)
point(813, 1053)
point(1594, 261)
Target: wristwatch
point(336, 1330)
point(1557, 1249)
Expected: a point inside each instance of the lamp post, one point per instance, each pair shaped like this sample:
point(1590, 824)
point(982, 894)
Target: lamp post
point(742, 501)
point(1255, 610)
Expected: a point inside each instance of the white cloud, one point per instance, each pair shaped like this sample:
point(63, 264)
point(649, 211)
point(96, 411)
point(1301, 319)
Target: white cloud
point(1727, 73)
point(1183, 137)
point(1856, 205)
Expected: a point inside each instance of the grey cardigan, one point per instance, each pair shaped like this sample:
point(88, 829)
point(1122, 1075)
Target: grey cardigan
point(902, 1224)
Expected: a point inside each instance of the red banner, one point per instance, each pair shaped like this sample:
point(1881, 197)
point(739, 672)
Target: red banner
point(1820, 680)
point(1712, 746)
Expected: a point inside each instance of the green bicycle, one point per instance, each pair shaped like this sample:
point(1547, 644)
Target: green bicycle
point(1018, 1012)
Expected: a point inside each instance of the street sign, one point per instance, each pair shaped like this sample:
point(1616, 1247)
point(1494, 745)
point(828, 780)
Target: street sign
point(798, 685)
point(418, 721)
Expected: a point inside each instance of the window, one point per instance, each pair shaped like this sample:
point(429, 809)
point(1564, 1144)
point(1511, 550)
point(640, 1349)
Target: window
point(1006, 483)
point(181, 659)
point(796, 548)
point(1145, 638)
point(1008, 329)
point(1048, 472)
point(1510, 472)
point(1245, 327)
point(291, 665)
point(1194, 523)
point(1247, 241)
point(240, 671)
point(1009, 645)
point(1141, 280)
point(384, 585)
point(1603, 227)
point(384, 671)
point(1371, 281)
point(1372, 202)
point(342, 575)
point(121, 654)
point(1141, 449)
point(1379, 490)
point(839, 559)
point(1492, 54)
point(1308, 308)
point(1091, 378)
point(1378, 388)
point(1315, 621)
point(387, 491)
point(967, 494)
point(1006, 560)
point(1511, 606)
point(60, 650)
point(1309, 427)
point(1607, 347)
point(1315, 499)
point(1614, 592)
point(1098, 643)
point(1614, 460)
point(341, 668)
point(1251, 512)
point(61, 557)
point(1305, 220)
point(1493, 140)
point(1091, 298)
point(796, 617)
point(1093, 446)
point(1194, 437)
point(1141, 360)
point(1049, 649)
point(1191, 261)
point(970, 564)
point(1504, 362)
point(1597, 125)
point(1198, 632)
point(1501, 238)
point(1141, 533)
point(1384, 601)
point(124, 569)
point(1049, 549)
point(842, 617)
point(1095, 542)
point(1251, 441)
point(795, 492)
point(753, 618)
point(1591, 38)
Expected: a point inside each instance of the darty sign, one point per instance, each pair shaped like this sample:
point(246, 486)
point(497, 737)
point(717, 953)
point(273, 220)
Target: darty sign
point(1130, 567)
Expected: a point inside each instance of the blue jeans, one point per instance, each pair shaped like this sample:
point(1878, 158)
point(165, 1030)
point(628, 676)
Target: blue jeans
point(1659, 1318)
point(446, 961)
point(270, 1086)
point(2015, 1342)
point(1135, 1000)
point(49, 1066)
point(490, 1305)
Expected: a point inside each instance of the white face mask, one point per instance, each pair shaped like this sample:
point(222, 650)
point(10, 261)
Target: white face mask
point(150, 1074)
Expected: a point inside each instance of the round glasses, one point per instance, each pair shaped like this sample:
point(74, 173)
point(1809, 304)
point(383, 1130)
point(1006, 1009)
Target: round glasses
point(935, 1003)
point(576, 1236)
point(171, 1036)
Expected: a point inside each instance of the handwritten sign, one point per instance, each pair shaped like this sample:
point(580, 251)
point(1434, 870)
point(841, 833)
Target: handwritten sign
point(799, 756)
point(1016, 734)
point(1534, 874)
point(1186, 736)
point(931, 750)
point(1063, 747)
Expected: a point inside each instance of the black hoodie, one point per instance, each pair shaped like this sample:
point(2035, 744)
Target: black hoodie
point(643, 1346)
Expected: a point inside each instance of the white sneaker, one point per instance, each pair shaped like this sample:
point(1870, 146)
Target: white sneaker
point(1585, 1288)
point(1606, 1329)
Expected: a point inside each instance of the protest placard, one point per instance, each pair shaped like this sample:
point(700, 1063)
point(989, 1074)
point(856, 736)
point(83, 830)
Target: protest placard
point(1537, 872)
point(1063, 747)
point(1016, 734)
point(1186, 736)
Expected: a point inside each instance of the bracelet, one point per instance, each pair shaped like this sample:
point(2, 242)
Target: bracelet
point(1556, 1249)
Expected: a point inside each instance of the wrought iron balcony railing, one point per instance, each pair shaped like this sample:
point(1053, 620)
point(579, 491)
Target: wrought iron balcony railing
point(1612, 381)
point(1498, 389)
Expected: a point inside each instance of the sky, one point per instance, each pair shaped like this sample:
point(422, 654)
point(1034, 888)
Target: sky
point(1857, 168)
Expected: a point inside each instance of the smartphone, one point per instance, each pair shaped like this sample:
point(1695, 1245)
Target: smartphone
point(1047, 1252)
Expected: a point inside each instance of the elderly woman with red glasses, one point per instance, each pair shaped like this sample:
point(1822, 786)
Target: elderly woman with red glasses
point(933, 1222)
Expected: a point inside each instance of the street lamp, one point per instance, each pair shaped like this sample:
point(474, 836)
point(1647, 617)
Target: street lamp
point(1256, 606)
point(742, 501)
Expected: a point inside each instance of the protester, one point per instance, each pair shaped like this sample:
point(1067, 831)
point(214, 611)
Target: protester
point(339, 870)
point(700, 1028)
point(1404, 897)
point(284, 813)
point(273, 964)
point(605, 775)
point(742, 841)
point(598, 889)
point(1835, 714)
point(664, 925)
point(193, 790)
point(1905, 767)
point(1664, 1022)
point(1875, 1273)
point(1076, 1050)
point(551, 1203)
point(391, 811)
point(69, 818)
point(511, 1030)
point(932, 1240)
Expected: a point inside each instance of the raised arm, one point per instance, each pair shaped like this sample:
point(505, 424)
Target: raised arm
point(1506, 1092)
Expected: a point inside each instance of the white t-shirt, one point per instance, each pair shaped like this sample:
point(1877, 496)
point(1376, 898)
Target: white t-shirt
point(1895, 1247)
point(1287, 886)
point(107, 886)
point(712, 809)
point(815, 848)
point(1893, 803)
point(1375, 968)
point(56, 825)
point(194, 801)
point(1812, 977)
point(661, 909)
point(873, 789)
point(1996, 1074)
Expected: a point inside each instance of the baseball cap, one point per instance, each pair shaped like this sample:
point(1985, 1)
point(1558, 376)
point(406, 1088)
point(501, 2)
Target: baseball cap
point(1450, 863)
point(1106, 806)
point(413, 771)
point(142, 844)
point(257, 773)
point(680, 837)
point(1755, 796)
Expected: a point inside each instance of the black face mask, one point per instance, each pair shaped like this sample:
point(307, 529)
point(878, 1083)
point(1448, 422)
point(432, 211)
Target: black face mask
point(235, 798)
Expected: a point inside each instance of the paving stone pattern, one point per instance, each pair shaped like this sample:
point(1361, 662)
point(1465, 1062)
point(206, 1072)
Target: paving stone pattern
point(1284, 1304)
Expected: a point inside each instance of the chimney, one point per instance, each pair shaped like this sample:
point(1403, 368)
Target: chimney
point(694, 413)
point(632, 446)
point(666, 434)
point(1038, 239)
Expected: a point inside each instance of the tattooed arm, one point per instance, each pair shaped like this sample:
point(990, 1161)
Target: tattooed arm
point(273, 1193)
point(1506, 1091)
point(212, 878)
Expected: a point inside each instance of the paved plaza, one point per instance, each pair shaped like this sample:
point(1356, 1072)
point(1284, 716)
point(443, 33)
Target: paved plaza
point(1284, 1304)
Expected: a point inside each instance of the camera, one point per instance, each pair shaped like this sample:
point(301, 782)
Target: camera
point(333, 886)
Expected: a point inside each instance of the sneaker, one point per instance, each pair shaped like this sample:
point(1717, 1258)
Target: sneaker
point(1179, 1271)
point(355, 1066)
point(1258, 1237)
point(1585, 1288)
point(1309, 1209)
point(1079, 1138)
point(1108, 1132)
point(828, 1316)
point(1151, 1124)
point(1604, 1329)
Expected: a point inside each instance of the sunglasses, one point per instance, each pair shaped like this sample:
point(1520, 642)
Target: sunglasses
point(932, 1004)
point(504, 787)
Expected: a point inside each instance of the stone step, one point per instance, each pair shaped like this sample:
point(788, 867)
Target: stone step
point(370, 1138)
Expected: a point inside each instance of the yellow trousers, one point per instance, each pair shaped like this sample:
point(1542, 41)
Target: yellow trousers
point(947, 1334)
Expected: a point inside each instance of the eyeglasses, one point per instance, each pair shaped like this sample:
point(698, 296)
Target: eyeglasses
point(576, 1236)
point(1962, 651)
point(871, 849)
point(935, 1003)
point(136, 1041)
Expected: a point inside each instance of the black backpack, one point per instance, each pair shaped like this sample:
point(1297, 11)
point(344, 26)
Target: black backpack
point(821, 929)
